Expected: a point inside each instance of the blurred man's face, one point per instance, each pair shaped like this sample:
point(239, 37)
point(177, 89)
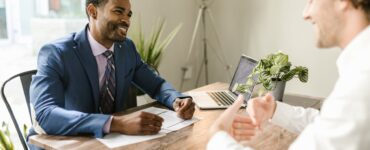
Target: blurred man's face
point(113, 20)
point(324, 15)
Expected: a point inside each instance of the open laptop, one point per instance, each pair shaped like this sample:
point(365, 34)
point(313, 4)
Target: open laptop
point(224, 98)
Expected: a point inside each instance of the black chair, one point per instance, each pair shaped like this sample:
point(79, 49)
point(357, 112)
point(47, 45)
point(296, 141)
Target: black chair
point(25, 78)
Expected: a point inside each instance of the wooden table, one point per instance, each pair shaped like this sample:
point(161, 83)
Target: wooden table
point(192, 137)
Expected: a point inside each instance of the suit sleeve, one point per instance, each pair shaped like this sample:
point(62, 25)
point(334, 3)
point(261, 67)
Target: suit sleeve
point(47, 96)
point(155, 86)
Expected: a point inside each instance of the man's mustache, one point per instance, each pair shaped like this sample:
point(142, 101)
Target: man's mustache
point(123, 25)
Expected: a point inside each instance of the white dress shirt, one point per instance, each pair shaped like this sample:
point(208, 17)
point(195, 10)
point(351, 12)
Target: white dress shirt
point(344, 120)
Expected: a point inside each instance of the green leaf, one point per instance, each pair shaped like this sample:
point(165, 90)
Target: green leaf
point(151, 49)
point(242, 88)
point(2, 147)
point(288, 76)
point(275, 69)
point(268, 84)
point(303, 74)
point(286, 68)
point(25, 132)
point(280, 59)
point(5, 140)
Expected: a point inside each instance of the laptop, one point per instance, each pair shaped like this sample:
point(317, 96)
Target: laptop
point(223, 98)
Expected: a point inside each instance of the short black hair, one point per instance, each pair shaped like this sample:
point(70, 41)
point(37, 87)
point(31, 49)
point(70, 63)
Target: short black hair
point(96, 3)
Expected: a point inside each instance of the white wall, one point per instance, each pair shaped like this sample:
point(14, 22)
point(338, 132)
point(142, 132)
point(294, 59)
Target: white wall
point(253, 27)
point(260, 27)
point(175, 12)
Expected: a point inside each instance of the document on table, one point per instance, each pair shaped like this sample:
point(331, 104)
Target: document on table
point(171, 123)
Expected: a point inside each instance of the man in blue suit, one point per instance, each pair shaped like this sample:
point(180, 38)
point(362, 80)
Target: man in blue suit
point(84, 78)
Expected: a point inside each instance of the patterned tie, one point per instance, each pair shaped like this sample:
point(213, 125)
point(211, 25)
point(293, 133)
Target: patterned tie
point(108, 90)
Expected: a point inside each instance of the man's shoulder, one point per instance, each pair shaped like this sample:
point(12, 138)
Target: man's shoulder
point(63, 42)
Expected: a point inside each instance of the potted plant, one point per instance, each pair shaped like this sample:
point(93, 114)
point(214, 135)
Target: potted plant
point(152, 48)
point(273, 72)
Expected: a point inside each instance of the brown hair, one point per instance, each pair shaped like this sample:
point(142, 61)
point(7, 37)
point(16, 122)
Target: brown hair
point(364, 5)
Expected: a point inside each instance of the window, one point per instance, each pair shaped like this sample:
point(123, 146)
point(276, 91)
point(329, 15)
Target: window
point(3, 22)
point(60, 8)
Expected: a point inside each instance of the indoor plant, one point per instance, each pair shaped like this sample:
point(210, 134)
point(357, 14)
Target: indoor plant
point(151, 49)
point(5, 140)
point(273, 72)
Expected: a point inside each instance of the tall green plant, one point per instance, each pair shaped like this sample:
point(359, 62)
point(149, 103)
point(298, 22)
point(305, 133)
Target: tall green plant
point(5, 140)
point(152, 48)
point(274, 67)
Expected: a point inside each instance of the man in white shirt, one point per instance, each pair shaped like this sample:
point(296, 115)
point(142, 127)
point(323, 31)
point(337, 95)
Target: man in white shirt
point(345, 115)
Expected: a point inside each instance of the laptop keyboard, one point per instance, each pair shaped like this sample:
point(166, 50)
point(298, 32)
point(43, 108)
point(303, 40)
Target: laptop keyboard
point(221, 98)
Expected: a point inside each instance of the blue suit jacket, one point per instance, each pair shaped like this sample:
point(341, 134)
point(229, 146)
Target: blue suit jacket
point(65, 90)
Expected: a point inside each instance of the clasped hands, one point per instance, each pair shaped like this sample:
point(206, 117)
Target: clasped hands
point(242, 126)
point(144, 123)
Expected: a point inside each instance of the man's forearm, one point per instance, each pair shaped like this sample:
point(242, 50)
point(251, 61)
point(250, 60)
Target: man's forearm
point(293, 118)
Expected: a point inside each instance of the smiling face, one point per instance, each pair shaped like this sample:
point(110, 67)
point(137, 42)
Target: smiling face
point(324, 16)
point(109, 22)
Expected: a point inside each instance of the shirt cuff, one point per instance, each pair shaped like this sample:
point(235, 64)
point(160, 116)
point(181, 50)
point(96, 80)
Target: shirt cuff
point(281, 115)
point(222, 140)
point(106, 128)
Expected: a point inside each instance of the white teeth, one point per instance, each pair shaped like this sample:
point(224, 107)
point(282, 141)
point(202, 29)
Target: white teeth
point(122, 29)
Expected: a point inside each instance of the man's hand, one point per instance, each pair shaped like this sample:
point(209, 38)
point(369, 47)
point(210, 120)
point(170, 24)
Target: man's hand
point(235, 124)
point(243, 128)
point(138, 123)
point(261, 109)
point(184, 107)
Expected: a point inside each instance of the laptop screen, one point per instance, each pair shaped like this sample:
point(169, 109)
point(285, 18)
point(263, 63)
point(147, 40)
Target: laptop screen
point(245, 67)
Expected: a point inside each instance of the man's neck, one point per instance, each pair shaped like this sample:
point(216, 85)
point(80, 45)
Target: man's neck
point(354, 25)
point(96, 35)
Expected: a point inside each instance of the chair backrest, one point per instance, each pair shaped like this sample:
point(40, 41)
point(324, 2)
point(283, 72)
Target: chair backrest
point(26, 78)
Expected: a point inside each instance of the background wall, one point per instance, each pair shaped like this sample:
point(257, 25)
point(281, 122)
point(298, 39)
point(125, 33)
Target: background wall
point(266, 26)
point(252, 27)
point(175, 12)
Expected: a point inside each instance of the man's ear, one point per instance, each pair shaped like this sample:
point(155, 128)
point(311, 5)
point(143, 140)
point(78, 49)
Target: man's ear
point(92, 11)
point(345, 4)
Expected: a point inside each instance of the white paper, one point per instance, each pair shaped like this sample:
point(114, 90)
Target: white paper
point(171, 123)
point(115, 140)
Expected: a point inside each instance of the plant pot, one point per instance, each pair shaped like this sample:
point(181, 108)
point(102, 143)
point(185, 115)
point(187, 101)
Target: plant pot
point(278, 91)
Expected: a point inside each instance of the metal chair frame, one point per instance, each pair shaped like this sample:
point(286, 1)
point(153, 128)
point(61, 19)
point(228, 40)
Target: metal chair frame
point(26, 78)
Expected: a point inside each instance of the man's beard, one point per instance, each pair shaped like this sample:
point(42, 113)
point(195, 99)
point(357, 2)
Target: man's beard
point(113, 35)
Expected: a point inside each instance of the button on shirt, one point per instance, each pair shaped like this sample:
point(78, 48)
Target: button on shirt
point(101, 61)
point(344, 120)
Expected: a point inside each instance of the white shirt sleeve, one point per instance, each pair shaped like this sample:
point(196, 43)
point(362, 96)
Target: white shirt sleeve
point(344, 119)
point(343, 122)
point(223, 141)
point(293, 118)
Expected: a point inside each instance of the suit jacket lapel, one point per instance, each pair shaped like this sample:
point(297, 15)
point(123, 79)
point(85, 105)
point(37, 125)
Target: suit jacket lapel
point(88, 61)
point(121, 65)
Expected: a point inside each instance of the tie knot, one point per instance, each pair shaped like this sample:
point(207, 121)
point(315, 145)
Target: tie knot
point(108, 54)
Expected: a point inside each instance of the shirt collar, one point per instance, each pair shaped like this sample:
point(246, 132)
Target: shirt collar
point(355, 51)
point(96, 47)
